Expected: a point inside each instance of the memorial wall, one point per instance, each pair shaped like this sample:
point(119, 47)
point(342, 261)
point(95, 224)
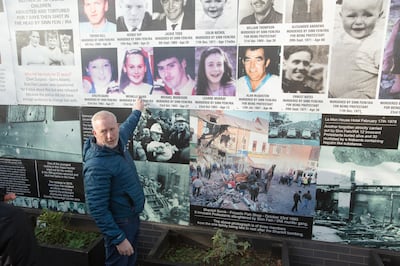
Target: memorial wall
point(275, 117)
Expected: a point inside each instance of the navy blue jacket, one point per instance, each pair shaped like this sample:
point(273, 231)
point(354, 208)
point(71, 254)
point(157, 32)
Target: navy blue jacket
point(112, 186)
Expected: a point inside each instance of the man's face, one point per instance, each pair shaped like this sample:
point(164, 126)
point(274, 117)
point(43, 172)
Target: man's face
point(35, 203)
point(106, 131)
point(52, 42)
point(359, 17)
point(43, 204)
point(296, 67)
point(255, 64)
point(180, 126)
point(135, 68)
point(95, 11)
point(133, 12)
point(65, 47)
point(213, 8)
point(173, 8)
point(100, 71)
point(172, 72)
point(62, 206)
point(155, 136)
point(261, 6)
point(34, 38)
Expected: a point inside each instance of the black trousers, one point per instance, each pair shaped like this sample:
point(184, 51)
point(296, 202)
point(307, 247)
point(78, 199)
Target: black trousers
point(17, 240)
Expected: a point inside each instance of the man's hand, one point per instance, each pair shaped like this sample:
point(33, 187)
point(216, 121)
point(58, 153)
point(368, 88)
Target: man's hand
point(125, 248)
point(139, 104)
point(9, 196)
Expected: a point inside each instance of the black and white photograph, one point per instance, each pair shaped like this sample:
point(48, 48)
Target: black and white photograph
point(173, 15)
point(260, 12)
point(216, 14)
point(304, 69)
point(358, 78)
point(45, 48)
point(166, 188)
point(358, 197)
point(163, 136)
point(305, 11)
point(133, 15)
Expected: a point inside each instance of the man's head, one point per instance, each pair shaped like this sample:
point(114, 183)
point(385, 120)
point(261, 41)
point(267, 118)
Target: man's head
point(52, 39)
point(43, 203)
point(262, 7)
point(146, 132)
point(34, 38)
point(213, 8)
point(156, 132)
point(135, 67)
point(297, 61)
point(95, 11)
point(173, 9)
point(255, 62)
point(65, 46)
point(171, 66)
point(133, 12)
point(105, 129)
point(359, 17)
point(35, 203)
point(180, 123)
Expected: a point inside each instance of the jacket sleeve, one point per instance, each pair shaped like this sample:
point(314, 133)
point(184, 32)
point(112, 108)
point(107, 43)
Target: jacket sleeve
point(128, 126)
point(97, 191)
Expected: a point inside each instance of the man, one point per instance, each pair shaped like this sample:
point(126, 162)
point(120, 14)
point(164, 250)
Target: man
point(172, 64)
point(296, 200)
point(17, 241)
point(176, 16)
point(264, 13)
point(113, 192)
point(296, 67)
point(95, 11)
point(54, 51)
point(134, 16)
point(257, 79)
point(307, 11)
point(180, 137)
point(34, 53)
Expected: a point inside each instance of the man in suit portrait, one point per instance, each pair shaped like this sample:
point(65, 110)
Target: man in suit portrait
point(307, 11)
point(176, 15)
point(134, 16)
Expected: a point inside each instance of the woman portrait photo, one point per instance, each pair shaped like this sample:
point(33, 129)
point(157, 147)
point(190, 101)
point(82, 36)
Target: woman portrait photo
point(136, 72)
point(215, 74)
point(99, 71)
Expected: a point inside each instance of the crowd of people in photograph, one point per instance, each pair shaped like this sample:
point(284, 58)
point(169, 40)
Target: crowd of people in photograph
point(163, 136)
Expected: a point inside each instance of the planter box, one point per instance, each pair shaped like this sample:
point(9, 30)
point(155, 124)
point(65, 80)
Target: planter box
point(202, 238)
point(92, 256)
point(384, 258)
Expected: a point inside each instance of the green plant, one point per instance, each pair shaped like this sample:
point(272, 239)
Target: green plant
point(225, 248)
point(52, 229)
